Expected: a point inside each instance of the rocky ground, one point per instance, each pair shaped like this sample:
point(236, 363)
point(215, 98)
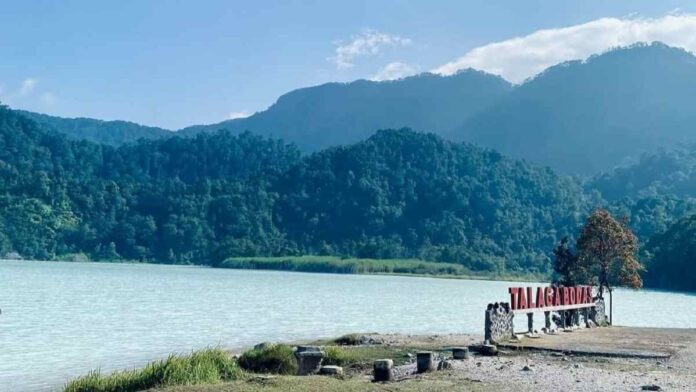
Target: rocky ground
point(515, 369)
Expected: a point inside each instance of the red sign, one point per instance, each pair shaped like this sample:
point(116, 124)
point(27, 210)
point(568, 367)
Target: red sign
point(546, 297)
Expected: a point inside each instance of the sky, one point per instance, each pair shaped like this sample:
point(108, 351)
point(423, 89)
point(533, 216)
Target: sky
point(178, 63)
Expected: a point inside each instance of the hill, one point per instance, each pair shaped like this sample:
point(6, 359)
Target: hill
point(342, 113)
point(113, 133)
point(397, 194)
point(407, 194)
point(666, 172)
point(589, 116)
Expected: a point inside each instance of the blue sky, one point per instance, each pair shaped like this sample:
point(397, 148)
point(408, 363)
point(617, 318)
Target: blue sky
point(179, 63)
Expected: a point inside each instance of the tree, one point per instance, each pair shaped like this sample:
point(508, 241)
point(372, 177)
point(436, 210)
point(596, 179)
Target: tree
point(565, 264)
point(607, 253)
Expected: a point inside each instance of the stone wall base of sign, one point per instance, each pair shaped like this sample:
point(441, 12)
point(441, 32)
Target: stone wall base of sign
point(598, 313)
point(499, 326)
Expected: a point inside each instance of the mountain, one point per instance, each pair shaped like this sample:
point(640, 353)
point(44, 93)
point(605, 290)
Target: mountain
point(406, 194)
point(341, 113)
point(588, 116)
point(106, 132)
point(399, 193)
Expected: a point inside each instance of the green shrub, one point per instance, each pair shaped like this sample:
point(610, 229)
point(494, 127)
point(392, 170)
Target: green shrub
point(274, 358)
point(202, 367)
point(352, 339)
point(334, 355)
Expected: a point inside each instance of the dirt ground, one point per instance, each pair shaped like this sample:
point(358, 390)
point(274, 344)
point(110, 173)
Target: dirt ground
point(601, 359)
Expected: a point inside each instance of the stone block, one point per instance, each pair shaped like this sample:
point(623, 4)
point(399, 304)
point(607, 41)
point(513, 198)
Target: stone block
point(425, 361)
point(331, 370)
point(308, 362)
point(382, 370)
point(460, 352)
point(488, 349)
point(444, 365)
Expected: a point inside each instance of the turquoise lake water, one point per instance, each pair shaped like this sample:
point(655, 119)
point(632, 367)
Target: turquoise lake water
point(60, 320)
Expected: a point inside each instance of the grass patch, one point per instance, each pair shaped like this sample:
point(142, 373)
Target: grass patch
point(202, 367)
point(273, 358)
point(337, 265)
point(364, 356)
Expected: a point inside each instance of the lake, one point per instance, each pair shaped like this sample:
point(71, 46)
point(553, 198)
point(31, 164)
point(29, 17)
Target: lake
point(60, 320)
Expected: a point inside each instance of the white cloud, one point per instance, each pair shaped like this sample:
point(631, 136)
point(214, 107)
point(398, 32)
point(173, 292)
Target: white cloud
point(519, 58)
point(239, 114)
point(367, 43)
point(395, 70)
point(27, 86)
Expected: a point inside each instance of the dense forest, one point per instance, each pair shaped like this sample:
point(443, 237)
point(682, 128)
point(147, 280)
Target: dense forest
point(672, 257)
point(397, 194)
point(113, 133)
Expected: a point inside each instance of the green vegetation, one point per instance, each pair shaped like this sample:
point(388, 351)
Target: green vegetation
point(398, 195)
point(338, 265)
point(606, 255)
point(673, 262)
point(107, 132)
point(270, 358)
point(363, 356)
point(202, 367)
point(243, 201)
point(334, 264)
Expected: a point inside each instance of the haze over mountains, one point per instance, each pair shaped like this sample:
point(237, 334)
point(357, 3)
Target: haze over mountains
point(580, 117)
point(585, 117)
point(338, 113)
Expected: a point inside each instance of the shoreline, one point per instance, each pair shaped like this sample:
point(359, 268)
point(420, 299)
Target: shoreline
point(512, 369)
point(501, 278)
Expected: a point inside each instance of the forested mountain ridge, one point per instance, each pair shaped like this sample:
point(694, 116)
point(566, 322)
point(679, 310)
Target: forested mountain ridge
point(673, 257)
point(665, 172)
point(200, 200)
point(113, 133)
point(588, 116)
point(399, 194)
point(407, 194)
point(342, 113)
